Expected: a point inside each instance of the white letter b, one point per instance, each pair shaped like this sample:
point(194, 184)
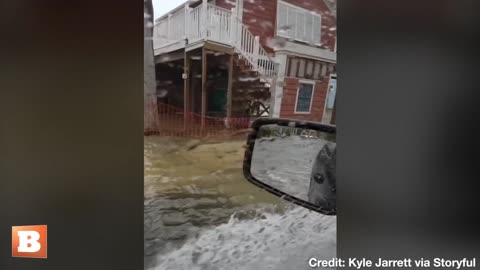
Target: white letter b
point(28, 241)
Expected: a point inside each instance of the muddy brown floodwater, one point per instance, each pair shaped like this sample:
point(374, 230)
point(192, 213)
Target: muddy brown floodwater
point(200, 213)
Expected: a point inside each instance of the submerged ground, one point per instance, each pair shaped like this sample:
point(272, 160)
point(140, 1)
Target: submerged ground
point(200, 213)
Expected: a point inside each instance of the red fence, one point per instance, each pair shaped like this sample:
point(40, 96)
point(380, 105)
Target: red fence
point(172, 122)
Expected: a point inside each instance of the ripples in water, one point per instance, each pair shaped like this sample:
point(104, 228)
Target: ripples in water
point(200, 213)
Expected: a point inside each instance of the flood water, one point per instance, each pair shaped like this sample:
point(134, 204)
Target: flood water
point(286, 163)
point(200, 213)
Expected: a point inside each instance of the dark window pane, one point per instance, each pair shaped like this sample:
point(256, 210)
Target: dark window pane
point(304, 97)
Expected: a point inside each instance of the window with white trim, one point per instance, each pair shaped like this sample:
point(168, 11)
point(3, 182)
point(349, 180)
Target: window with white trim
point(298, 23)
point(303, 103)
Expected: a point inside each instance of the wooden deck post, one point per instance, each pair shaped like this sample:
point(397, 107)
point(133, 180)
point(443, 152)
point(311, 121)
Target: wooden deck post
point(229, 91)
point(186, 91)
point(204, 86)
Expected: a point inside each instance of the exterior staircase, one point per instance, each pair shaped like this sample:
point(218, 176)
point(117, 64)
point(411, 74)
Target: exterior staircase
point(251, 94)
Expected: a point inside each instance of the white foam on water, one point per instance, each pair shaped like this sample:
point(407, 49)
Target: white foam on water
point(272, 241)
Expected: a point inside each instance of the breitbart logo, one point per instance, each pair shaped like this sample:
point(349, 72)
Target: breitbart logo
point(29, 241)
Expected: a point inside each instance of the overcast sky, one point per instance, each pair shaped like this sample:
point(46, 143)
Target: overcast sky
point(161, 7)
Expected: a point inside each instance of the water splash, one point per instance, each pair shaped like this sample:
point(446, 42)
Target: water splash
point(268, 241)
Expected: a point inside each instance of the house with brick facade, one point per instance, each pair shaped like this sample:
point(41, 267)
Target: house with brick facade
point(248, 58)
point(302, 36)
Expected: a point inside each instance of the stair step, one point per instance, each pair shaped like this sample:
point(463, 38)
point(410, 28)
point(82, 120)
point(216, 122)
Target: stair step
point(256, 85)
point(251, 97)
point(251, 90)
point(249, 80)
point(247, 83)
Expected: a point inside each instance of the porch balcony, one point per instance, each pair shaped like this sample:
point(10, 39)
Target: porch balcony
point(190, 26)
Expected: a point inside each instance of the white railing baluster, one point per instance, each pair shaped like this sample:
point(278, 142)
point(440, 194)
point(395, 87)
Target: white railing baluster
point(247, 43)
point(187, 16)
point(204, 20)
point(233, 28)
point(169, 26)
point(226, 27)
point(250, 47)
point(250, 50)
point(195, 23)
point(244, 41)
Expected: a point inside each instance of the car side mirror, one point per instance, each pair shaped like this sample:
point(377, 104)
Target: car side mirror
point(294, 160)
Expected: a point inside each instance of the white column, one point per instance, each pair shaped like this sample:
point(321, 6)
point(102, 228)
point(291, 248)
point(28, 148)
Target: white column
point(273, 89)
point(281, 59)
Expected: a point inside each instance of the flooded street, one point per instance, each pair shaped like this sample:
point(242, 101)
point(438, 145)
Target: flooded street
point(200, 213)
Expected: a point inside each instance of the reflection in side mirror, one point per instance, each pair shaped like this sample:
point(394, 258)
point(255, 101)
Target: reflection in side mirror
point(295, 160)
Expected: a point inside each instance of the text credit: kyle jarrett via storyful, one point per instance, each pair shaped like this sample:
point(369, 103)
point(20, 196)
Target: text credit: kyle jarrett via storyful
point(363, 263)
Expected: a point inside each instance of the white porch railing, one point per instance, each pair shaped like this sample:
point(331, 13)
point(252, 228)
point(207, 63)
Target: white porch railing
point(209, 22)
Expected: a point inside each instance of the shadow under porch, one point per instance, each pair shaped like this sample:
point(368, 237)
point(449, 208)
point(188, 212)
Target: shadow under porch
point(203, 86)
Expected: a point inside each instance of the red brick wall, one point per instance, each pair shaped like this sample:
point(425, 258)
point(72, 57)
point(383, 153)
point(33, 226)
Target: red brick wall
point(329, 22)
point(290, 88)
point(260, 18)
